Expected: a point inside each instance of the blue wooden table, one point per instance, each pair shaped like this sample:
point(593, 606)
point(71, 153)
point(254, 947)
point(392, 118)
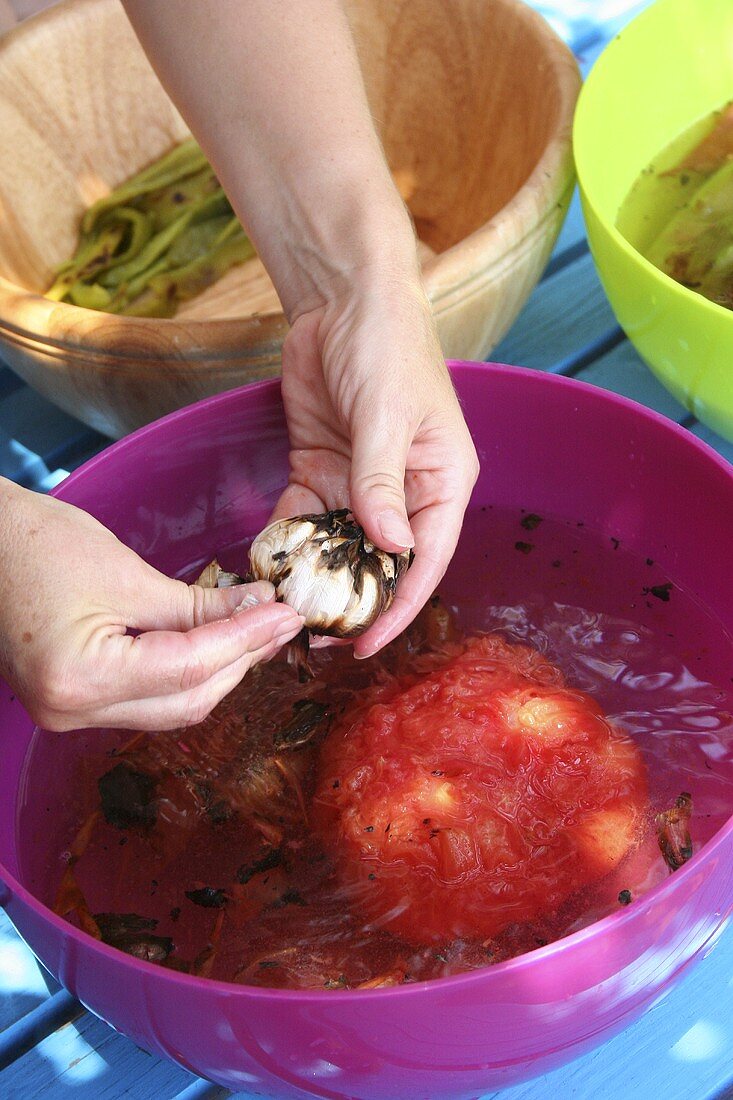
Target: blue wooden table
point(682, 1048)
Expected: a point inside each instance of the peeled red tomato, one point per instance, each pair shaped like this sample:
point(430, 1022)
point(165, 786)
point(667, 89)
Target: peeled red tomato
point(481, 796)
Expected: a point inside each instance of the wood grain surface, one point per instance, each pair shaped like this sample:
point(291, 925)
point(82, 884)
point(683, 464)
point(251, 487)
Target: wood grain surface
point(473, 100)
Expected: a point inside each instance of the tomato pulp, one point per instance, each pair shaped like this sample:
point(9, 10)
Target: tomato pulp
point(481, 796)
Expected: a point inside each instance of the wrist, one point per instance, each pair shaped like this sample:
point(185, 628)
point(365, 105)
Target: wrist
point(365, 248)
point(349, 236)
point(330, 215)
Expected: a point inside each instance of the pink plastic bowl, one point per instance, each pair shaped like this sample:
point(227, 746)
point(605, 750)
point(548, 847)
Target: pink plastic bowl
point(202, 477)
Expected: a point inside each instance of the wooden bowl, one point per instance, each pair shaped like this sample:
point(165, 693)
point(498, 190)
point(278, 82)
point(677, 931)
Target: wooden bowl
point(474, 100)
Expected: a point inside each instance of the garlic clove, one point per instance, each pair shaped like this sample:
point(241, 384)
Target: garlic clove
point(321, 595)
point(365, 606)
point(282, 537)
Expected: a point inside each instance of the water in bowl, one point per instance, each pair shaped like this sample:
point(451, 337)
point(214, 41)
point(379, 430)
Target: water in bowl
point(225, 905)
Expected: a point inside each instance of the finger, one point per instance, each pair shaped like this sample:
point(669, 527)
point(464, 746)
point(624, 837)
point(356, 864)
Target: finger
point(162, 662)
point(166, 604)
point(436, 535)
point(211, 605)
point(319, 481)
point(379, 456)
point(187, 708)
point(324, 641)
point(297, 500)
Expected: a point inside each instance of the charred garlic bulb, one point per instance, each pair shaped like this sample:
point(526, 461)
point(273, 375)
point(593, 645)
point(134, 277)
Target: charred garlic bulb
point(326, 568)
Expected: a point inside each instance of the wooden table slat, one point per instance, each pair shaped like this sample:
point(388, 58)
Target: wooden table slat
point(58, 1009)
point(567, 312)
point(622, 371)
point(23, 982)
point(87, 1060)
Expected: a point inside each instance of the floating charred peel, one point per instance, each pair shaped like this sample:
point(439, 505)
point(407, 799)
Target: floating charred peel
point(134, 935)
point(673, 832)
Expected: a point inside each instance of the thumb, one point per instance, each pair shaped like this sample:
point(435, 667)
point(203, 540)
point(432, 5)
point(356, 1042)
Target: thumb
point(174, 605)
point(207, 605)
point(377, 486)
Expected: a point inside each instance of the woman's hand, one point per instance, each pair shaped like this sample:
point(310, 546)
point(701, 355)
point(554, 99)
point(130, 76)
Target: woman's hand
point(279, 106)
point(69, 593)
point(375, 425)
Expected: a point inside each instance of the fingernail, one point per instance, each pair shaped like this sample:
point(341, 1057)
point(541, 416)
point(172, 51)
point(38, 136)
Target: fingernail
point(395, 529)
point(257, 594)
point(289, 628)
point(250, 600)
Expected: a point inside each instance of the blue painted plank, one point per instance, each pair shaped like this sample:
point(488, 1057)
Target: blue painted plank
point(582, 23)
point(23, 983)
point(9, 382)
point(681, 1049)
point(573, 365)
point(38, 442)
point(571, 243)
point(33, 1028)
point(77, 450)
point(36, 423)
point(204, 1090)
point(87, 1060)
point(567, 312)
point(623, 372)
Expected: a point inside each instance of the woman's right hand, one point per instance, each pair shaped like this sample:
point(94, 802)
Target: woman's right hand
point(70, 592)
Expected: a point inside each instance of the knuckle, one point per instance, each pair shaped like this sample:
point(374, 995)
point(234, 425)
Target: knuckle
point(383, 483)
point(197, 708)
point(469, 465)
point(197, 600)
point(58, 693)
point(194, 673)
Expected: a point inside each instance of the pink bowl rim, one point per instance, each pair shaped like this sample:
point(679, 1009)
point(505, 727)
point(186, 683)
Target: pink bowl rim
point(493, 973)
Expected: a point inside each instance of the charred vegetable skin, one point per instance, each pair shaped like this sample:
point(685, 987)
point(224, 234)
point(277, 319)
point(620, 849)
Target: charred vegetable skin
point(695, 247)
point(325, 567)
point(157, 240)
point(673, 832)
point(134, 935)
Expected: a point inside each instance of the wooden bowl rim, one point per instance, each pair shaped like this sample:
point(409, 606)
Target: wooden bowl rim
point(64, 326)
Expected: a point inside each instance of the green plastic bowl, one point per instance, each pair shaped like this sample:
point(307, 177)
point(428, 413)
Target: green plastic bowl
point(671, 67)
